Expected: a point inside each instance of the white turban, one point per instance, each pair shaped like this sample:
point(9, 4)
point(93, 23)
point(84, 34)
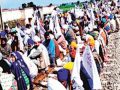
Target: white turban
point(36, 39)
point(86, 29)
point(75, 27)
point(65, 27)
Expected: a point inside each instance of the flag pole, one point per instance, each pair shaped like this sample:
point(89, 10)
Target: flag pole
point(1, 22)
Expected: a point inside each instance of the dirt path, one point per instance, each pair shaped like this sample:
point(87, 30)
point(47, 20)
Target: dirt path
point(110, 76)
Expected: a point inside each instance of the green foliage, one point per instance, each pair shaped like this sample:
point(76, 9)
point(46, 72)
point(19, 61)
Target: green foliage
point(66, 7)
point(24, 5)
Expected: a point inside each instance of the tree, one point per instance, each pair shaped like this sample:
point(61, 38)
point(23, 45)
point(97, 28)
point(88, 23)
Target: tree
point(72, 3)
point(78, 2)
point(24, 5)
point(30, 4)
point(50, 4)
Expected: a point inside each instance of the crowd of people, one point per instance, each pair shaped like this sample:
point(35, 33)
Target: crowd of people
point(75, 40)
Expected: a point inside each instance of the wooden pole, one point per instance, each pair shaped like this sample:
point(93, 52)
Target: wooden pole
point(1, 22)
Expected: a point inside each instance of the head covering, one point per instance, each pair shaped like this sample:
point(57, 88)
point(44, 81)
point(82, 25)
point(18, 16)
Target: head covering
point(3, 34)
point(63, 75)
point(86, 29)
point(16, 68)
point(75, 27)
point(107, 28)
point(73, 44)
point(69, 65)
point(104, 20)
point(13, 30)
point(111, 16)
point(77, 21)
point(36, 39)
point(94, 33)
point(30, 41)
point(65, 27)
point(22, 28)
point(90, 40)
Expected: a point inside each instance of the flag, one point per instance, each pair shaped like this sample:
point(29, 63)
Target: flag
point(51, 25)
point(38, 24)
point(57, 29)
point(76, 80)
point(91, 69)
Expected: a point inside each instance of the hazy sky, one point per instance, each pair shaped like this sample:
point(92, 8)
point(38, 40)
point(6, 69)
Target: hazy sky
point(18, 3)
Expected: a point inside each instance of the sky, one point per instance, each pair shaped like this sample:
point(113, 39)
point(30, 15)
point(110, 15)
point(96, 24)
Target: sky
point(18, 3)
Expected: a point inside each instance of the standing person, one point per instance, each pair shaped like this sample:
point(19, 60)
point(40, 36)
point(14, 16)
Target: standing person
point(15, 42)
point(50, 45)
point(112, 23)
point(21, 72)
point(68, 33)
point(19, 35)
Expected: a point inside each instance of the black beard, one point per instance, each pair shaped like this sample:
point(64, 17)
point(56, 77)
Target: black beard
point(3, 45)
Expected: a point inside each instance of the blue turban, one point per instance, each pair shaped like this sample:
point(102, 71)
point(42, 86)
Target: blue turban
point(3, 34)
point(111, 16)
point(104, 20)
point(30, 42)
point(23, 28)
point(107, 28)
point(63, 75)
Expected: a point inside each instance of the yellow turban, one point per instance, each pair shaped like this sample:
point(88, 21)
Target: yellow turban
point(91, 41)
point(69, 66)
point(77, 21)
point(73, 44)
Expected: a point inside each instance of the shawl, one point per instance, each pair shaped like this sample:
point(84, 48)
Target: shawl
point(16, 70)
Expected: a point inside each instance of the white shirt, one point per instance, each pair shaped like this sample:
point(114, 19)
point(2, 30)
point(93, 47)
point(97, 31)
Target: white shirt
point(113, 24)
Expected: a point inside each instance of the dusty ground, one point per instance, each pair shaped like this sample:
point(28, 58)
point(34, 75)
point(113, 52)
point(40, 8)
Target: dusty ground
point(110, 76)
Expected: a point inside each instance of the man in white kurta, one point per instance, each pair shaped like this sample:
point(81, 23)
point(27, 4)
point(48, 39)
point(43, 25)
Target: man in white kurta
point(41, 51)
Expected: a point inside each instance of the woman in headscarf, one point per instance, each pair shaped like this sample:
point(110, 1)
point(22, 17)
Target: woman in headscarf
point(21, 72)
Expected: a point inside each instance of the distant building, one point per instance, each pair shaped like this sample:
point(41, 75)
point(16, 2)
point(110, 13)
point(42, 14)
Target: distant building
point(16, 14)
